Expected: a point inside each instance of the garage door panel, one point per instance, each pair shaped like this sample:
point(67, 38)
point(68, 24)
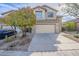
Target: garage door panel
point(45, 28)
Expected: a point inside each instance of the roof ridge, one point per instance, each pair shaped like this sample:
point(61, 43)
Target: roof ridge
point(43, 6)
point(49, 7)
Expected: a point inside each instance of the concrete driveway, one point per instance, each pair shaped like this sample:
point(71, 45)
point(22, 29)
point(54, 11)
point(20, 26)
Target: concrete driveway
point(48, 44)
point(52, 42)
point(44, 42)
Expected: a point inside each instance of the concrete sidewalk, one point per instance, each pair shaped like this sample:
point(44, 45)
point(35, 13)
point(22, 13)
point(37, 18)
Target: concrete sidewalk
point(56, 53)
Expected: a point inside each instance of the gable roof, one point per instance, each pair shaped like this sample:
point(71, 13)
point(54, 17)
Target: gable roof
point(49, 7)
point(40, 7)
point(43, 7)
point(7, 12)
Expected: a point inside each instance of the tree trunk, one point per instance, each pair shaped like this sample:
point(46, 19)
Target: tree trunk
point(12, 27)
point(15, 31)
point(24, 32)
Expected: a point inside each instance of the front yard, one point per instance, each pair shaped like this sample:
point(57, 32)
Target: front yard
point(18, 43)
point(24, 19)
point(74, 35)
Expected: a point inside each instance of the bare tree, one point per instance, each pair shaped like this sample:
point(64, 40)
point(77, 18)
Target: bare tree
point(71, 9)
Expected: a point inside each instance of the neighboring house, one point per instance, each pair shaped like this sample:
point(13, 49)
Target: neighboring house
point(5, 13)
point(46, 20)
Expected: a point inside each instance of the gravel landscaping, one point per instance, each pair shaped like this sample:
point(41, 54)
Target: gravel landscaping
point(16, 44)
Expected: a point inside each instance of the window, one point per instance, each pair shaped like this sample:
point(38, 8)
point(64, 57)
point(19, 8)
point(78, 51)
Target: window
point(39, 14)
point(50, 14)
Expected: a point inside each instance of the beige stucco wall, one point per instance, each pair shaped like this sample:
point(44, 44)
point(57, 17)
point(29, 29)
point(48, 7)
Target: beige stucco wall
point(56, 21)
point(45, 13)
point(56, 26)
point(54, 14)
point(59, 25)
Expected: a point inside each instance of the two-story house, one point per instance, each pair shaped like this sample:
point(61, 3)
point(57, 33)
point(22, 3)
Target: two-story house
point(47, 20)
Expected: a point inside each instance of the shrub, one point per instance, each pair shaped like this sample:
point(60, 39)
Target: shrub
point(8, 39)
point(76, 35)
point(70, 26)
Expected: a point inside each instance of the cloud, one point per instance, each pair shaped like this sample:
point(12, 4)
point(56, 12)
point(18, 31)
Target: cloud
point(67, 18)
point(4, 7)
point(16, 5)
point(10, 6)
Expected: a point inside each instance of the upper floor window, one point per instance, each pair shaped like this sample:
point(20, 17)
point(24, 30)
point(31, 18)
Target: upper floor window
point(50, 14)
point(39, 14)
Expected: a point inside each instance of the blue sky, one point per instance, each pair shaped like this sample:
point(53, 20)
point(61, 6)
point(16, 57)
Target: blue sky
point(4, 7)
point(9, 6)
